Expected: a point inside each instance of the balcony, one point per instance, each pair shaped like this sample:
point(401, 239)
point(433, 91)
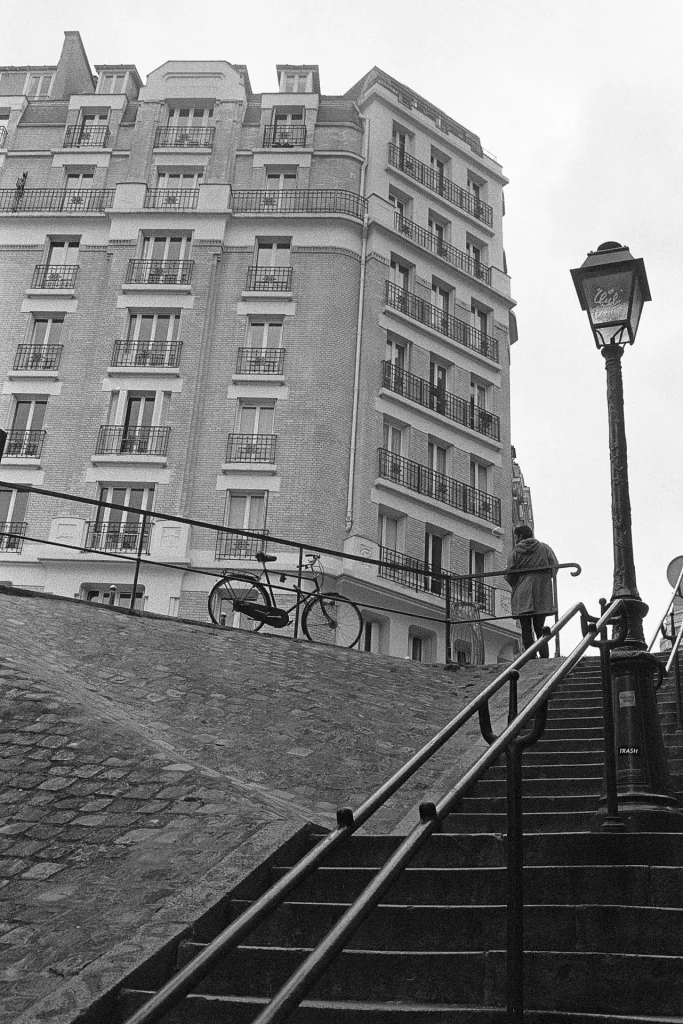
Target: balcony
point(143, 354)
point(269, 279)
point(443, 187)
point(159, 272)
point(132, 440)
point(37, 357)
point(260, 360)
point(425, 313)
point(233, 546)
point(24, 444)
point(433, 484)
point(431, 396)
point(456, 257)
point(414, 573)
point(251, 448)
point(171, 198)
point(3, 136)
point(80, 136)
point(47, 275)
point(314, 200)
point(184, 138)
point(283, 136)
point(118, 536)
point(12, 536)
point(56, 200)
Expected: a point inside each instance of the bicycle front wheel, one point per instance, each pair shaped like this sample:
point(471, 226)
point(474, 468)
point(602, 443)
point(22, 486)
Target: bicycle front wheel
point(332, 619)
point(236, 588)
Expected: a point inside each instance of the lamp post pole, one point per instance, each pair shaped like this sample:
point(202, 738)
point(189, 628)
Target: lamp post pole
point(612, 288)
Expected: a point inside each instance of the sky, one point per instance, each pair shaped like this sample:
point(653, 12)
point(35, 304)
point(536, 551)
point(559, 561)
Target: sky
point(581, 102)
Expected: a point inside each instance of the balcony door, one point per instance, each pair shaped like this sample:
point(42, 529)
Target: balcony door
point(441, 303)
point(46, 334)
point(256, 419)
point(190, 117)
point(243, 512)
point(437, 387)
point(165, 247)
point(433, 561)
point(138, 416)
point(476, 587)
point(436, 462)
point(273, 255)
point(63, 254)
point(12, 510)
point(119, 529)
point(278, 182)
point(147, 333)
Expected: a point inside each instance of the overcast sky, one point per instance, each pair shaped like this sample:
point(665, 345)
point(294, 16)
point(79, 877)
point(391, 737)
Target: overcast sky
point(580, 100)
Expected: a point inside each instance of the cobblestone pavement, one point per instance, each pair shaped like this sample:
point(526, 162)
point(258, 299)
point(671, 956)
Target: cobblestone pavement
point(136, 753)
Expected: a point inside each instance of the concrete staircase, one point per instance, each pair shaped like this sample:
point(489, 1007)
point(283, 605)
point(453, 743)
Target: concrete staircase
point(603, 922)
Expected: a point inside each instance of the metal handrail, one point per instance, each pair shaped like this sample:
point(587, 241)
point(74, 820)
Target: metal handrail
point(349, 821)
point(660, 624)
point(676, 639)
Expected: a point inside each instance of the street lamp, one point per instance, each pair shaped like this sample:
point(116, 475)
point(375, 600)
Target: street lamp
point(612, 287)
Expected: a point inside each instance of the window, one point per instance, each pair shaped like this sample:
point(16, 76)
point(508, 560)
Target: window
point(437, 390)
point(480, 418)
point(165, 247)
point(79, 179)
point(478, 475)
point(118, 530)
point(180, 179)
point(12, 510)
point(400, 275)
point(416, 648)
point(438, 229)
point(25, 440)
point(285, 117)
point(92, 127)
point(137, 420)
point(154, 326)
point(46, 333)
point(399, 137)
point(433, 560)
point(119, 596)
point(388, 532)
point(477, 592)
point(190, 117)
point(474, 187)
point(392, 439)
point(39, 86)
point(436, 457)
point(438, 165)
point(255, 419)
point(481, 319)
point(397, 353)
point(273, 254)
point(244, 512)
point(277, 181)
point(440, 299)
point(295, 81)
point(264, 333)
point(62, 253)
point(112, 82)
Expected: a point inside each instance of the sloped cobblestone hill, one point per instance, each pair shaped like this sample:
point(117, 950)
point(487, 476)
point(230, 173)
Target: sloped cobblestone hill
point(140, 756)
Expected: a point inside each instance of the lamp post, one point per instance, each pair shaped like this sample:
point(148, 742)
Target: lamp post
point(612, 287)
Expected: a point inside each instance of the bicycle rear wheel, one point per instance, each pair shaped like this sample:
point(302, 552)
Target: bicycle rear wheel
point(332, 619)
point(236, 588)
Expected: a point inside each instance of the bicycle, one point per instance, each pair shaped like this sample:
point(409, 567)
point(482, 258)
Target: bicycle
point(326, 618)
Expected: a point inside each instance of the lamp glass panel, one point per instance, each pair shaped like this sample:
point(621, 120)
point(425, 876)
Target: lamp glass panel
point(637, 308)
point(608, 296)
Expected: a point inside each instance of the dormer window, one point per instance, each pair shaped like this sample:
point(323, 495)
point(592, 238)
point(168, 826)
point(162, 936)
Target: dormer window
point(295, 81)
point(38, 86)
point(112, 82)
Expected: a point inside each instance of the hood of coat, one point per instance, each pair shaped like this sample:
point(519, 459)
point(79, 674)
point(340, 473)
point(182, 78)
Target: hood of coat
point(528, 545)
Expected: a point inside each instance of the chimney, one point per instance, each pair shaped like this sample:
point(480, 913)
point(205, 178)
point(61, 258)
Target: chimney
point(73, 75)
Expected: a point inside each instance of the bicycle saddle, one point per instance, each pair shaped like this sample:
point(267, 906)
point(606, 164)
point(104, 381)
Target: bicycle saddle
point(261, 556)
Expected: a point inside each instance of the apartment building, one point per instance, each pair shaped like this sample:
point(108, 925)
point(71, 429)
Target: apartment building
point(284, 312)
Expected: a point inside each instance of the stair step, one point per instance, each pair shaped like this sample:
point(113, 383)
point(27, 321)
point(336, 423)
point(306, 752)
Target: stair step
point(541, 821)
point(202, 1009)
point(586, 981)
point(560, 786)
point(576, 745)
point(608, 928)
point(532, 803)
point(564, 883)
point(538, 755)
point(556, 731)
point(548, 771)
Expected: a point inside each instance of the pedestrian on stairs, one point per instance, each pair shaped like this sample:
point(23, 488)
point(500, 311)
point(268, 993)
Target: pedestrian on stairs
point(533, 593)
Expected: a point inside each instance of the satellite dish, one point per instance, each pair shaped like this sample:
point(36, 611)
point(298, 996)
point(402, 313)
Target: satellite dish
point(673, 571)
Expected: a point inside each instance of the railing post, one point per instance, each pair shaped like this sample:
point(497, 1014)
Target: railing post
point(515, 863)
point(138, 559)
point(299, 580)
point(449, 650)
point(677, 678)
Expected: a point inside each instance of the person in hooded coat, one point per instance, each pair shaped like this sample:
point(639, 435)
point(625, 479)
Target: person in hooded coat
point(533, 594)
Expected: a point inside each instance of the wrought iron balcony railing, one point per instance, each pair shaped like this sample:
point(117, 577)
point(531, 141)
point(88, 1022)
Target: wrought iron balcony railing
point(269, 279)
point(159, 271)
point(284, 136)
point(184, 138)
point(24, 444)
point(416, 574)
point(37, 357)
point(432, 242)
point(12, 536)
point(3, 136)
point(117, 536)
point(424, 312)
point(442, 186)
point(80, 136)
point(132, 440)
point(308, 200)
point(431, 396)
point(437, 485)
point(251, 448)
point(56, 200)
point(147, 353)
point(171, 198)
point(47, 275)
point(260, 360)
point(230, 545)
